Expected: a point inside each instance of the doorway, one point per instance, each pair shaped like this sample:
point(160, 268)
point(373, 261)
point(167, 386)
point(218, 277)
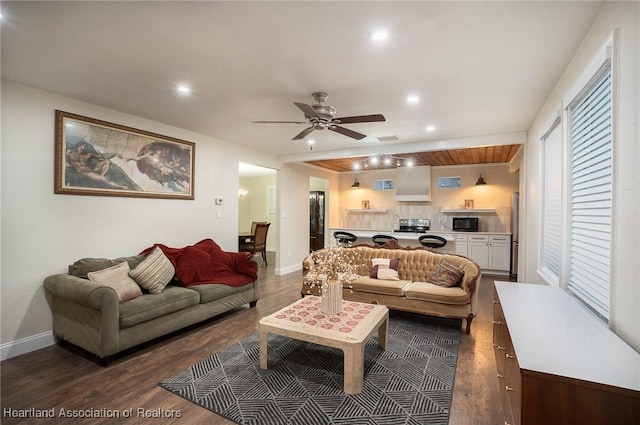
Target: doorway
point(257, 188)
point(316, 220)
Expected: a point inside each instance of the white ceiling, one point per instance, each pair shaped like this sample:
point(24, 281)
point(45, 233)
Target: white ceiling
point(479, 68)
point(250, 170)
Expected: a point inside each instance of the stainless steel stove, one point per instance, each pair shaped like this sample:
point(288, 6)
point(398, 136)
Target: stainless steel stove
point(414, 225)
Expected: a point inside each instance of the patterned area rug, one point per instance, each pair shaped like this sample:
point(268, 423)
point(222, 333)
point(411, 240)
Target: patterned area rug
point(411, 382)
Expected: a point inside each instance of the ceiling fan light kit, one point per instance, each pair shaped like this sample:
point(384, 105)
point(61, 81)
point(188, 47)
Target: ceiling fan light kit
point(320, 117)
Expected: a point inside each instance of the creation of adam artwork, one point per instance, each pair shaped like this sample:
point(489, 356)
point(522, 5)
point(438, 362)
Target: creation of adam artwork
point(98, 158)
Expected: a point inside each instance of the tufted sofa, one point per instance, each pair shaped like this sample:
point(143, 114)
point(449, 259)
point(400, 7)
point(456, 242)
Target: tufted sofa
point(412, 292)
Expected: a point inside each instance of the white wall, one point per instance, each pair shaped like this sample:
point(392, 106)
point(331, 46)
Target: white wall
point(294, 183)
point(624, 18)
point(42, 233)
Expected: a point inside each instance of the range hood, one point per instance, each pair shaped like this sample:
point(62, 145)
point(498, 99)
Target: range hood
point(413, 184)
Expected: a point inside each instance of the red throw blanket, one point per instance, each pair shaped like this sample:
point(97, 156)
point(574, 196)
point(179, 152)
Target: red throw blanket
point(206, 262)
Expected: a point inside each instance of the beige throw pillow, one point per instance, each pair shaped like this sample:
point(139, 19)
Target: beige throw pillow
point(117, 277)
point(154, 273)
point(387, 274)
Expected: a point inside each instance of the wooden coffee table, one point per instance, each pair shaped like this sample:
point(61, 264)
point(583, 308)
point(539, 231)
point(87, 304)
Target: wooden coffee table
point(348, 330)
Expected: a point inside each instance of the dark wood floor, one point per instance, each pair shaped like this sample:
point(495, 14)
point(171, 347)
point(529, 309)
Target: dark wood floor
point(58, 378)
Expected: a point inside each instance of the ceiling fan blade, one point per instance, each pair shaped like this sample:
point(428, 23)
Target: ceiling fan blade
point(360, 118)
point(347, 132)
point(279, 122)
point(307, 109)
point(304, 133)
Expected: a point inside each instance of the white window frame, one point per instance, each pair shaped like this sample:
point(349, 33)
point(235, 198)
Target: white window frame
point(604, 57)
point(546, 136)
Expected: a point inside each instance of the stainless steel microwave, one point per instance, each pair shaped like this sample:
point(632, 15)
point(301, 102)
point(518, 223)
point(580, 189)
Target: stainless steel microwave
point(465, 224)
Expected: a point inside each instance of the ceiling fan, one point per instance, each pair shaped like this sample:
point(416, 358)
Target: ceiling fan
point(323, 116)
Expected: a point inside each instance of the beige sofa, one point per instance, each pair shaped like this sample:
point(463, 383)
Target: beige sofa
point(89, 314)
point(412, 292)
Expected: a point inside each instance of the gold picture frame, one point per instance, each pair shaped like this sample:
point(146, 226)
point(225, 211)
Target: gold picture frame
point(99, 158)
point(365, 205)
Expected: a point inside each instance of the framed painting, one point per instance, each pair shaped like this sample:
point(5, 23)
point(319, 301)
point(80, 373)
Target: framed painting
point(99, 158)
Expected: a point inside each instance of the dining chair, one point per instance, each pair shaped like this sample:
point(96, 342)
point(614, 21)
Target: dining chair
point(254, 224)
point(259, 242)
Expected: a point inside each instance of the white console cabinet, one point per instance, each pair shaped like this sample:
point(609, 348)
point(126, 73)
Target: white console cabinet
point(557, 363)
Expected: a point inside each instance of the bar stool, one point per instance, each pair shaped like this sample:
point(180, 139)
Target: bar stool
point(344, 238)
point(432, 241)
point(383, 239)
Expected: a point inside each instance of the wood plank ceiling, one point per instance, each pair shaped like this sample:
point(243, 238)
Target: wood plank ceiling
point(483, 155)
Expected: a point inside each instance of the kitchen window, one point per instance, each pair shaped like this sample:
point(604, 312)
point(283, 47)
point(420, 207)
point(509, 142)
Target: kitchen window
point(386, 184)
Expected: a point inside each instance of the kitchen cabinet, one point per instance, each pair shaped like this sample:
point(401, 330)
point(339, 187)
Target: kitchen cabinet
point(558, 363)
point(491, 252)
point(461, 245)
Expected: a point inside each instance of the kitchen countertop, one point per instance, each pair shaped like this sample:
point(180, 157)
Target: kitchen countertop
point(449, 235)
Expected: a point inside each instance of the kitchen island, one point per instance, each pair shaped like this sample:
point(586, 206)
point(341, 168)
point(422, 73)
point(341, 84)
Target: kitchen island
point(491, 250)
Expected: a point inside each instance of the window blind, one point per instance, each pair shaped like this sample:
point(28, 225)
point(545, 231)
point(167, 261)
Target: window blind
point(590, 186)
point(551, 203)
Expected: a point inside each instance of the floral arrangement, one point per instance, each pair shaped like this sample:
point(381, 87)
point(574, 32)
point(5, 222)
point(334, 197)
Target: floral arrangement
point(329, 270)
point(333, 263)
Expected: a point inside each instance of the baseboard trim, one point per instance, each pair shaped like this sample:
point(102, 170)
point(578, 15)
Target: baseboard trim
point(26, 345)
point(287, 270)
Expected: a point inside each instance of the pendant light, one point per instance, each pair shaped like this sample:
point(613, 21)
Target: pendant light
point(356, 184)
point(480, 181)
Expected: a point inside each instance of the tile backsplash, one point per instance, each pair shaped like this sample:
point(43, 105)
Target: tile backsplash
point(488, 222)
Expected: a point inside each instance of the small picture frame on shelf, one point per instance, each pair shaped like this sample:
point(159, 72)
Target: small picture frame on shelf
point(468, 204)
point(365, 205)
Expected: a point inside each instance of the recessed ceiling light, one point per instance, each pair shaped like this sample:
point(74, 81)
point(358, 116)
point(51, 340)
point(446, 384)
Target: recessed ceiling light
point(379, 36)
point(409, 162)
point(374, 160)
point(430, 128)
point(356, 166)
point(183, 89)
point(413, 99)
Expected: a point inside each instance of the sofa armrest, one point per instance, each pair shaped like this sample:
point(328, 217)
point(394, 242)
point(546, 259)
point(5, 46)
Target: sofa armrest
point(81, 291)
point(85, 313)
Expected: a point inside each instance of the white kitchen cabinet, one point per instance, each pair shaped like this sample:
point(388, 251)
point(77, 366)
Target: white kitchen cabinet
point(478, 249)
point(499, 252)
point(491, 252)
point(461, 245)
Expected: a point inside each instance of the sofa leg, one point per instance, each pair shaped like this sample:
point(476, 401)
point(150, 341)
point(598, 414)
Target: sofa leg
point(469, 320)
point(253, 303)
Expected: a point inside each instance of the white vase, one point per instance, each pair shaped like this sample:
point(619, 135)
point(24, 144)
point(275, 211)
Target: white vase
point(332, 296)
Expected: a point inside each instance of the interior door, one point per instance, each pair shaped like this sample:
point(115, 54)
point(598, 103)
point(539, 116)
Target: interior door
point(316, 220)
